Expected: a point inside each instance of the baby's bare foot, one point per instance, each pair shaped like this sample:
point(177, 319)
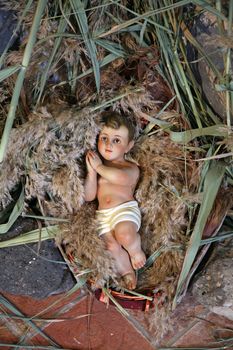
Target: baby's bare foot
point(138, 260)
point(130, 280)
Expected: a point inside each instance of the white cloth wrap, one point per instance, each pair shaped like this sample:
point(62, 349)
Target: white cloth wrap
point(109, 218)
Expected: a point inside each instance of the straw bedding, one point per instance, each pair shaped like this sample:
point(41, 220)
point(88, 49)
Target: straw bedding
point(160, 195)
point(47, 155)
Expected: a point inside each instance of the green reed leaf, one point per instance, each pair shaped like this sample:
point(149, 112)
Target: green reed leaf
point(81, 18)
point(213, 180)
point(16, 212)
point(20, 79)
point(31, 237)
point(7, 72)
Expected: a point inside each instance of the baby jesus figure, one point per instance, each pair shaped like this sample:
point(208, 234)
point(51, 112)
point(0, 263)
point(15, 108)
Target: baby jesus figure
point(112, 180)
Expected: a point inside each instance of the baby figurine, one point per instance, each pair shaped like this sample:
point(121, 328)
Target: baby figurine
point(112, 179)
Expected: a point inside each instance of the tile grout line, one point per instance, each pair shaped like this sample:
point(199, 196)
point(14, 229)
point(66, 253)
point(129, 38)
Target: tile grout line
point(187, 329)
point(139, 328)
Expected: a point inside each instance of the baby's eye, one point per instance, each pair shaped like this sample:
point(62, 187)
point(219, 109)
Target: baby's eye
point(103, 138)
point(116, 140)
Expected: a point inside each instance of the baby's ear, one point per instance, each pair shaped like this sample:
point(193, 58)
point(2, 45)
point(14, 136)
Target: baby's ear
point(130, 145)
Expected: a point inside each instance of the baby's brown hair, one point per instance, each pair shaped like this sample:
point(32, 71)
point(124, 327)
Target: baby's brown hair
point(112, 119)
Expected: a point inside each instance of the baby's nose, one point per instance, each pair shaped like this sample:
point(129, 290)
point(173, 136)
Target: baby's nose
point(109, 143)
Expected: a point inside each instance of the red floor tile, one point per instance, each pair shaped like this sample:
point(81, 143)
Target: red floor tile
point(82, 322)
point(101, 328)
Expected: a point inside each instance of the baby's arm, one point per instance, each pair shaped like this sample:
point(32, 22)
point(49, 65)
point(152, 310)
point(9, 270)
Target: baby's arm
point(116, 176)
point(90, 184)
point(124, 176)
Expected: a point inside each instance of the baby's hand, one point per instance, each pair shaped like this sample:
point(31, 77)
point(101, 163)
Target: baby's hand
point(94, 159)
point(90, 169)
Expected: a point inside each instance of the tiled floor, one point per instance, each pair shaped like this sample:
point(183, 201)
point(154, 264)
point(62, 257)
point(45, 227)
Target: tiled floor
point(88, 325)
point(79, 321)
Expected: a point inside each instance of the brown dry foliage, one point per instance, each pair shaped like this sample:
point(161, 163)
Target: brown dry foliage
point(161, 191)
point(47, 152)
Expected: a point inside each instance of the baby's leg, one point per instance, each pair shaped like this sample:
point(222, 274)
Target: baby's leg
point(127, 236)
point(121, 257)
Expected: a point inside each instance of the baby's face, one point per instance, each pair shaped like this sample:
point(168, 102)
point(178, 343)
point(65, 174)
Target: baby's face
point(114, 143)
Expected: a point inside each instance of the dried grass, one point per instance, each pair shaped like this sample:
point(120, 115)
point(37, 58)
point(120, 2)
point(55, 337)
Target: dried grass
point(46, 153)
point(49, 152)
point(88, 250)
point(161, 195)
